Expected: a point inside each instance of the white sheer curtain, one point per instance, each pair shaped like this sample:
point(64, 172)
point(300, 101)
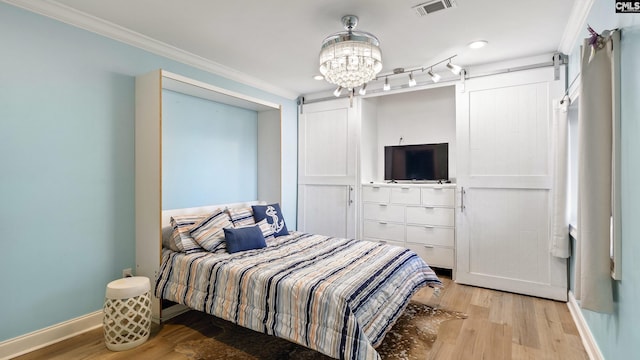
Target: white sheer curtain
point(560, 220)
point(593, 275)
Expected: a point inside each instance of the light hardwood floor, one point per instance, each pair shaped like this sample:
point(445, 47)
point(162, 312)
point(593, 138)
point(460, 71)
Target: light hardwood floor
point(499, 326)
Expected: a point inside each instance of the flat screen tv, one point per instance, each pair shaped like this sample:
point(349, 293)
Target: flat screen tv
point(423, 162)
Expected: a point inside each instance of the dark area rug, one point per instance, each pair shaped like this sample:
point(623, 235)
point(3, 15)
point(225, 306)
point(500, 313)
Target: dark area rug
point(410, 338)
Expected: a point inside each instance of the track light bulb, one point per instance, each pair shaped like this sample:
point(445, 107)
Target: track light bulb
point(363, 89)
point(412, 81)
point(454, 68)
point(386, 86)
point(434, 77)
point(338, 91)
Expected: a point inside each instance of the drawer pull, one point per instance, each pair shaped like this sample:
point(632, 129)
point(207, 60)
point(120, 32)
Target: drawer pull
point(382, 222)
point(428, 246)
point(382, 204)
point(382, 242)
point(375, 187)
point(405, 188)
point(428, 227)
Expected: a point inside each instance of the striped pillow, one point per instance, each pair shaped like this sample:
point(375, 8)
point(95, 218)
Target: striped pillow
point(265, 227)
point(241, 216)
point(209, 233)
point(181, 238)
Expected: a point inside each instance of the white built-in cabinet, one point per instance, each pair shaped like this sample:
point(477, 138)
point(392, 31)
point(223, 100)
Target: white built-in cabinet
point(338, 152)
point(493, 226)
point(420, 217)
point(148, 158)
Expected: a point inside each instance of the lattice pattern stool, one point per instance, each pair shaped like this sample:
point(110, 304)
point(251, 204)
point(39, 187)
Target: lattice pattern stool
point(127, 313)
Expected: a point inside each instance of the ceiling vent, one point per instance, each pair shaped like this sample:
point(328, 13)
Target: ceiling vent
point(433, 6)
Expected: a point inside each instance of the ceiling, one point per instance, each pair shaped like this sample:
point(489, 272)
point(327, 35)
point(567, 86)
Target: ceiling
point(277, 42)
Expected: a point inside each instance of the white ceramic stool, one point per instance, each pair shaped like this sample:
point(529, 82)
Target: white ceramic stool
point(127, 313)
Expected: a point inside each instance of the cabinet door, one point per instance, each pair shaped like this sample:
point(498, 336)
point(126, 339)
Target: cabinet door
point(327, 168)
point(504, 168)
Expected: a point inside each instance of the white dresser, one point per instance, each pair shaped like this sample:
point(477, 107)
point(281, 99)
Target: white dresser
point(420, 217)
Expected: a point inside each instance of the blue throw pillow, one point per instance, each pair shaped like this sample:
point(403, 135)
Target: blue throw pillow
point(246, 238)
point(274, 217)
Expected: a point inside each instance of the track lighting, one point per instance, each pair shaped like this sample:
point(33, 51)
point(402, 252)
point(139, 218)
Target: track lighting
point(412, 81)
point(434, 77)
point(363, 89)
point(454, 68)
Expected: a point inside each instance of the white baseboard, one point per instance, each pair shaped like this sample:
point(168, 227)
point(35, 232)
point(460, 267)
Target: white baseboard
point(588, 340)
point(40, 338)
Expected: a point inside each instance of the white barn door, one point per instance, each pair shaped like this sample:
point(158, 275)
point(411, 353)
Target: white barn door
point(505, 173)
point(328, 134)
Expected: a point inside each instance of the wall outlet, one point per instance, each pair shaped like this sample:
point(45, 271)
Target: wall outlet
point(127, 273)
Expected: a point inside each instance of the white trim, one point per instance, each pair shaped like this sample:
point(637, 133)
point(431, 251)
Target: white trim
point(574, 28)
point(185, 85)
point(590, 344)
point(108, 29)
point(44, 337)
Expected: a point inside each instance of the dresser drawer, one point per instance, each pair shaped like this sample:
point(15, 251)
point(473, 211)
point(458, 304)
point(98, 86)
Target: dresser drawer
point(387, 242)
point(405, 195)
point(434, 256)
point(375, 193)
point(430, 235)
point(425, 215)
point(383, 230)
point(383, 212)
point(438, 197)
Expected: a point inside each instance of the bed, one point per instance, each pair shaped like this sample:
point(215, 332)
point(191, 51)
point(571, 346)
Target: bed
point(337, 296)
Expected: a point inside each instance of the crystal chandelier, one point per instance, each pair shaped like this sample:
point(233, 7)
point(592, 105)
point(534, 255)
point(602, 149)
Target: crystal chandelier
point(350, 58)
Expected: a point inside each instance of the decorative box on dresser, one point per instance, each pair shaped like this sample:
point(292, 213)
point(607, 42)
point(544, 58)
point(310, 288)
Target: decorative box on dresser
point(420, 217)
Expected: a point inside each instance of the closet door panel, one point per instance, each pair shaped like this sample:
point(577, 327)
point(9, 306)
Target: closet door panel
point(326, 139)
point(503, 125)
point(327, 168)
point(322, 209)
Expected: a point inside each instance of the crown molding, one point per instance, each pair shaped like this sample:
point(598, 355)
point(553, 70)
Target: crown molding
point(79, 19)
point(574, 28)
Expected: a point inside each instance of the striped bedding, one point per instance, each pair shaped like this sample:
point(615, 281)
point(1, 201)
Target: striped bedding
point(336, 296)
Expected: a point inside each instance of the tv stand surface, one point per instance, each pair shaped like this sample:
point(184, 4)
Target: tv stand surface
point(412, 182)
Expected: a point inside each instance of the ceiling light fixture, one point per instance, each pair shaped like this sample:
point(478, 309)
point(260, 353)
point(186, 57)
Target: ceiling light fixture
point(412, 81)
point(478, 44)
point(337, 92)
point(454, 68)
point(434, 77)
point(350, 58)
point(363, 89)
point(386, 86)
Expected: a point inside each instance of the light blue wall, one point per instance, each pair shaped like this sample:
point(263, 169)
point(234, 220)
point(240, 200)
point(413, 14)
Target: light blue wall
point(618, 334)
point(209, 152)
point(67, 165)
